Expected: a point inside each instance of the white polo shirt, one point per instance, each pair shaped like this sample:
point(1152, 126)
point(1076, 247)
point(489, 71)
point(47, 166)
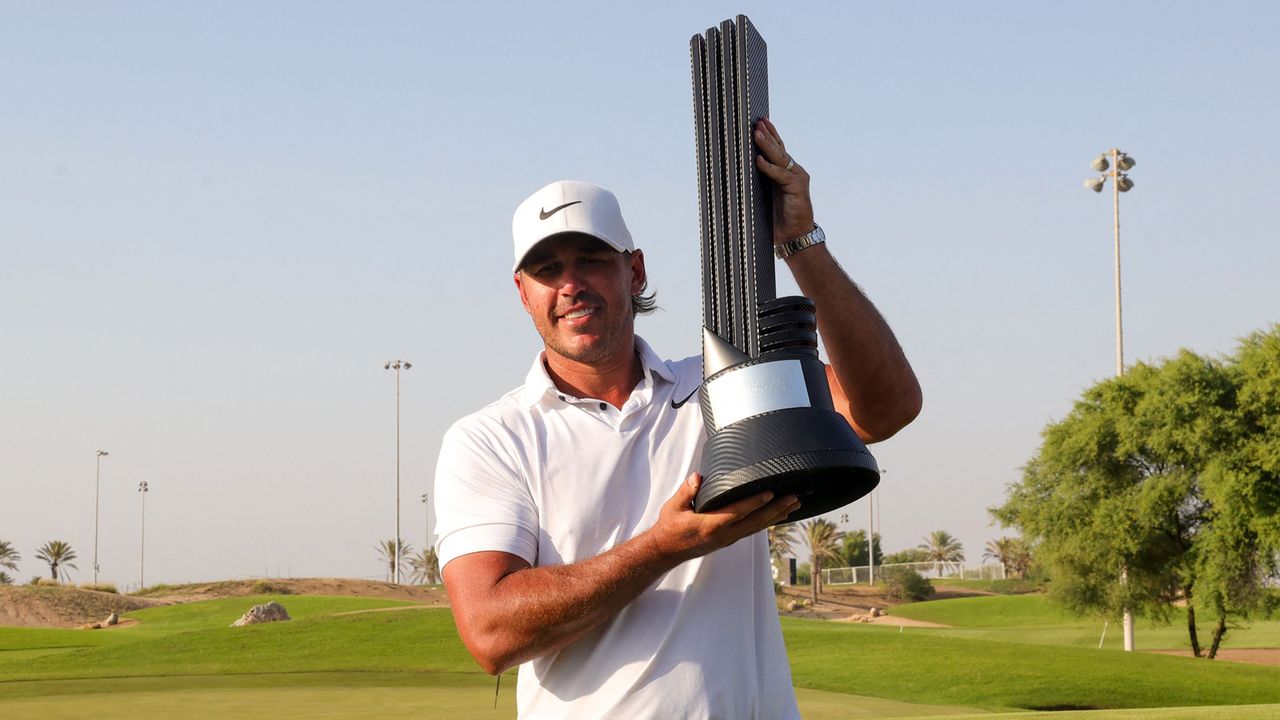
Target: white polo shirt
point(555, 479)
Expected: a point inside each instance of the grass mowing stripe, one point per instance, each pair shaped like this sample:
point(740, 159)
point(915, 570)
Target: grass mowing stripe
point(914, 666)
point(422, 640)
point(1220, 712)
point(921, 666)
point(1033, 619)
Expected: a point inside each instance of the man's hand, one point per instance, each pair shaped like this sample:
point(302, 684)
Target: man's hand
point(872, 384)
point(508, 612)
point(792, 206)
point(682, 534)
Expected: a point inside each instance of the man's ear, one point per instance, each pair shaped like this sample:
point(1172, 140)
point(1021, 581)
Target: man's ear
point(519, 281)
point(638, 275)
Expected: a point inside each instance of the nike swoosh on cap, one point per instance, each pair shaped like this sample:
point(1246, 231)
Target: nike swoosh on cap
point(544, 214)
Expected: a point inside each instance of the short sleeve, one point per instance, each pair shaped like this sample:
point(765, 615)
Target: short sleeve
point(482, 500)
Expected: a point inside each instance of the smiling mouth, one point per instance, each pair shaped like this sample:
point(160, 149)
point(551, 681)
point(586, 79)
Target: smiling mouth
point(579, 313)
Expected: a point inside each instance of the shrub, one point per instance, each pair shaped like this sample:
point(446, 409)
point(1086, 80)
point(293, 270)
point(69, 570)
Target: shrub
point(105, 587)
point(5, 579)
point(42, 580)
point(262, 587)
point(906, 585)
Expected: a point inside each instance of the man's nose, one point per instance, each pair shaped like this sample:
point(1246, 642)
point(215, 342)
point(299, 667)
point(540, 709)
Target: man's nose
point(571, 281)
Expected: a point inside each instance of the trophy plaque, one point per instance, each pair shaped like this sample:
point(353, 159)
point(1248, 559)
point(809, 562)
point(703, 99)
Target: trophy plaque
point(765, 399)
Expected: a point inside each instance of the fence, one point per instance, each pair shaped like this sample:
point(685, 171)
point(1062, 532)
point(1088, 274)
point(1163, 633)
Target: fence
point(934, 570)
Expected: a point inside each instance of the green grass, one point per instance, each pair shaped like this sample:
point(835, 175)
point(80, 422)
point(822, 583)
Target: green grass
point(394, 663)
point(1233, 712)
point(1033, 619)
point(1010, 586)
point(923, 666)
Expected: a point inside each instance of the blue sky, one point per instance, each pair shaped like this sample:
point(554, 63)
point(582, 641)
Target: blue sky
point(216, 222)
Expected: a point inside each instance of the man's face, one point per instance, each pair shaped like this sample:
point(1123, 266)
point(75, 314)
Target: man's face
point(578, 291)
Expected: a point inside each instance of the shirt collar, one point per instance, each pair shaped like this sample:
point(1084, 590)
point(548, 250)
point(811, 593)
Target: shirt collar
point(538, 384)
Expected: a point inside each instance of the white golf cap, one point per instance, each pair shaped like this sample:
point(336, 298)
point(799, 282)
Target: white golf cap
point(568, 206)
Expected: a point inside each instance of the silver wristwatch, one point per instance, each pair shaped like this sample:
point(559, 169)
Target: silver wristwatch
point(809, 239)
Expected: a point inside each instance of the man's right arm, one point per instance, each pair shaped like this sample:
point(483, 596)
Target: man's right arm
point(508, 612)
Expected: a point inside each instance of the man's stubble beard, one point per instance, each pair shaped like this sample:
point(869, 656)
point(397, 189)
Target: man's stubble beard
point(613, 340)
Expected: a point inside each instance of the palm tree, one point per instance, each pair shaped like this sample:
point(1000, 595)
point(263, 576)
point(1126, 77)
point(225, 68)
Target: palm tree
point(781, 542)
point(1011, 553)
point(1000, 551)
point(426, 567)
point(939, 547)
point(387, 554)
point(59, 556)
point(5, 579)
point(824, 544)
point(9, 556)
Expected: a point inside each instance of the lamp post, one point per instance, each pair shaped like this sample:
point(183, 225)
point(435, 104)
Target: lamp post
point(427, 506)
point(397, 365)
point(97, 494)
point(871, 531)
point(1119, 163)
point(142, 553)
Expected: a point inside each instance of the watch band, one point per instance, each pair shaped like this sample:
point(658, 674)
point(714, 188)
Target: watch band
point(791, 247)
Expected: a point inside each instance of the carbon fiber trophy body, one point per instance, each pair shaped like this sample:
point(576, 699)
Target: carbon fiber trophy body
point(765, 399)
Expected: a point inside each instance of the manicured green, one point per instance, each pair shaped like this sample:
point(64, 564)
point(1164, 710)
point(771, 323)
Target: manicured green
point(421, 640)
point(1036, 620)
point(389, 663)
point(305, 696)
point(220, 613)
point(987, 611)
point(920, 665)
point(1010, 586)
point(1233, 712)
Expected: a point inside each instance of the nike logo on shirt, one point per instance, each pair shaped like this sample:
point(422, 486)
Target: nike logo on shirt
point(677, 405)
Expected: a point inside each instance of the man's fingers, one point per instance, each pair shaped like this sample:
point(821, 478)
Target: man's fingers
point(688, 490)
point(771, 149)
point(778, 173)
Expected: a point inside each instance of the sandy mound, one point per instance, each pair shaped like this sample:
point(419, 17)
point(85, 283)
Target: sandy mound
point(423, 594)
point(69, 607)
point(63, 607)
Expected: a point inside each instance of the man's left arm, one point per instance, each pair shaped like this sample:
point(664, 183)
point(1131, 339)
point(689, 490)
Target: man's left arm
point(872, 384)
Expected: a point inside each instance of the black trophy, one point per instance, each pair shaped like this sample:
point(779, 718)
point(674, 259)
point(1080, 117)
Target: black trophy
point(765, 399)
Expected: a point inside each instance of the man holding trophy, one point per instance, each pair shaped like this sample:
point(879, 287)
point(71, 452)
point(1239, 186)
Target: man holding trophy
point(568, 532)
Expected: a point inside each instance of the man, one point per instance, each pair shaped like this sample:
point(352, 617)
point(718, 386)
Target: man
point(568, 539)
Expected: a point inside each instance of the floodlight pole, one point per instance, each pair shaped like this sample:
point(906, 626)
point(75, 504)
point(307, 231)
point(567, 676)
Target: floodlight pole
point(1115, 198)
point(97, 494)
point(142, 553)
point(1115, 201)
point(426, 504)
point(396, 365)
point(871, 533)
point(1120, 182)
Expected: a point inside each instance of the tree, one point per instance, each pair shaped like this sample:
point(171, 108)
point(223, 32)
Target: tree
point(9, 556)
point(1011, 553)
point(781, 543)
point(910, 555)
point(824, 544)
point(5, 579)
point(1162, 485)
point(1239, 542)
point(853, 551)
point(426, 567)
point(58, 555)
point(939, 547)
point(387, 554)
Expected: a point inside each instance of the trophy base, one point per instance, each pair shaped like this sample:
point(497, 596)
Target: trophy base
point(807, 452)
